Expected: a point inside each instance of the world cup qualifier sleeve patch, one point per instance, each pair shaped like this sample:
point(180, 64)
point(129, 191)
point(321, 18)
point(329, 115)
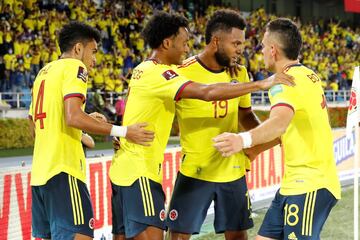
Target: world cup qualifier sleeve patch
point(169, 74)
point(82, 74)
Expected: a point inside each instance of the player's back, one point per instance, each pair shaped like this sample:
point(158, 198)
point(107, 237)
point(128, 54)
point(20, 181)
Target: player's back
point(200, 121)
point(152, 93)
point(57, 147)
point(308, 141)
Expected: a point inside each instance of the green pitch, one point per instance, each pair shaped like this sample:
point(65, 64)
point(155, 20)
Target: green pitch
point(339, 225)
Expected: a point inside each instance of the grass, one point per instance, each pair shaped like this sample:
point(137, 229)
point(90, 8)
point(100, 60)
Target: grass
point(17, 152)
point(339, 224)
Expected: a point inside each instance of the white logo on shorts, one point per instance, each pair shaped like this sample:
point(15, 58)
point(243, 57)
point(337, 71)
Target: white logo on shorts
point(91, 223)
point(173, 215)
point(162, 215)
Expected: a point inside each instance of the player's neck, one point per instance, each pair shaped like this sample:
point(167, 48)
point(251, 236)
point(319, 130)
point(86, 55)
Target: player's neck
point(68, 55)
point(160, 57)
point(281, 65)
point(208, 59)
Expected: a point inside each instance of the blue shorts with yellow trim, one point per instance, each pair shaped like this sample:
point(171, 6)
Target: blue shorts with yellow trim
point(191, 200)
point(136, 207)
point(298, 216)
point(61, 208)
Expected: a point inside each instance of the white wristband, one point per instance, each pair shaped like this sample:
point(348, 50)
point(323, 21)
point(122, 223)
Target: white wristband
point(118, 131)
point(247, 139)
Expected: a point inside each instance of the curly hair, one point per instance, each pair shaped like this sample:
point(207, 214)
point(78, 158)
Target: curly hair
point(75, 32)
point(289, 36)
point(162, 25)
point(223, 20)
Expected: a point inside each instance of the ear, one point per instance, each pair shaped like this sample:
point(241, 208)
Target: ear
point(78, 48)
point(166, 43)
point(215, 42)
point(273, 50)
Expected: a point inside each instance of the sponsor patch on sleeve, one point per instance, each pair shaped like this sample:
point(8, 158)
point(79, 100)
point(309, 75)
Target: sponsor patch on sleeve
point(82, 74)
point(276, 89)
point(169, 74)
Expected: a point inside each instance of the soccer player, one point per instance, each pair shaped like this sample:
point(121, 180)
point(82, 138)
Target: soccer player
point(310, 186)
point(205, 175)
point(136, 172)
point(61, 207)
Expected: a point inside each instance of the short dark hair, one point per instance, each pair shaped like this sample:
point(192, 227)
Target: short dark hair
point(74, 32)
point(223, 20)
point(289, 36)
point(162, 25)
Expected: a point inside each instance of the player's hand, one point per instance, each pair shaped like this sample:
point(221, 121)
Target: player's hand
point(277, 78)
point(233, 71)
point(98, 116)
point(137, 133)
point(228, 143)
point(116, 143)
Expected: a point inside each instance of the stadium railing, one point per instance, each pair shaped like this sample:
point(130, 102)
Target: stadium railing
point(18, 100)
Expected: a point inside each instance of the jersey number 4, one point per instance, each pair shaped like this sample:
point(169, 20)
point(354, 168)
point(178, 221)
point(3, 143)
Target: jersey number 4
point(39, 114)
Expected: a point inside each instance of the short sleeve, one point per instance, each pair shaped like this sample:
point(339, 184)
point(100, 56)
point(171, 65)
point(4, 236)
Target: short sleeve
point(171, 85)
point(281, 95)
point(75, 81)
point(245, 100)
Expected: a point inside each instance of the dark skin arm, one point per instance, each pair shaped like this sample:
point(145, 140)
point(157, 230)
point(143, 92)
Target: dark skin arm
point(247, 121)
point(223, 91)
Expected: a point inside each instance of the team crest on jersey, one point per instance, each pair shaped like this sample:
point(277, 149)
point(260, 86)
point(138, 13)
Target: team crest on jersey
point(162, 215)
point(82, 74)
point(91, 223)
point(173, 215)
point(169, 74)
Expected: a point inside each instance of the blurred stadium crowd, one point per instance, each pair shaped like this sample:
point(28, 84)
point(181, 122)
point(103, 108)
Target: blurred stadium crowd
point(29, 28)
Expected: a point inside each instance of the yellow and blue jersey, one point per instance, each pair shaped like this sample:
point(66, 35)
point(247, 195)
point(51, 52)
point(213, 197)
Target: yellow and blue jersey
point(153, 90)
point(200, 121)
point(57, 146)
point(308, 140)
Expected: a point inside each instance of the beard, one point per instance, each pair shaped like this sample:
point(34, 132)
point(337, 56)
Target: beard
point(222, 59)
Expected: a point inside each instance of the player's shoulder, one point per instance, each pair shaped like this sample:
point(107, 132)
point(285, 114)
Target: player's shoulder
point(188, 62)
point(69, 63)
point(242, 75)
point(152, 70)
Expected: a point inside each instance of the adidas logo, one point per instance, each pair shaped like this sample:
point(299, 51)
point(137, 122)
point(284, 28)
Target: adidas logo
point(292, 236)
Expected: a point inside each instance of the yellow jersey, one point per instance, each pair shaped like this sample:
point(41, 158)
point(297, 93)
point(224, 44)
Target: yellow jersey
point(201, 121)
point(308, 140)
point(57, 147)
point(152, 93)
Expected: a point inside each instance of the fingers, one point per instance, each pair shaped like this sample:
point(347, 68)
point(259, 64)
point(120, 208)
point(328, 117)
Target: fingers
point(142, 125)
point(285, 79)
point(98, 116)
point(116, 143)
point(220, 138)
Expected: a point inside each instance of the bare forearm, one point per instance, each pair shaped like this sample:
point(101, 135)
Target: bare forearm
point(223, 91)
point(84, 122)
point(268, 131)
point(256, 150)
point(247, 119)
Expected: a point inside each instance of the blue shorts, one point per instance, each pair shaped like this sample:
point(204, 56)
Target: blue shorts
point(191, 200)
point(138, 206)
point(298, 216)
point(61, 208)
